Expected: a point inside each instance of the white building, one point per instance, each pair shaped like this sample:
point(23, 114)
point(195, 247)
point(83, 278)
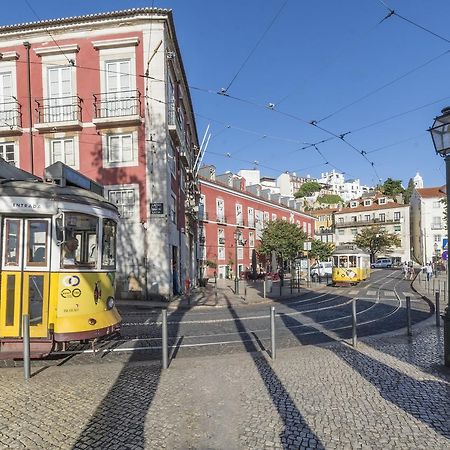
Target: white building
point(393, 217)
point(428, 227)
point(251, 176)
point(290, 183)
point(336, 184)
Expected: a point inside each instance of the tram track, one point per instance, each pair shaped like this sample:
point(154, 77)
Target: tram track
point(257, 335)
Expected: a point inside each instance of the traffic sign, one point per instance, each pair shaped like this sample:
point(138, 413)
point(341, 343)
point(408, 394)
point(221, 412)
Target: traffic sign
point(445, 244)
point(445, 255)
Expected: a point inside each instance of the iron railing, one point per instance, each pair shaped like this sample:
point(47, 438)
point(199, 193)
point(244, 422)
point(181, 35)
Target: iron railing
point(10, 114)
point(117, 104)
point(58, 109)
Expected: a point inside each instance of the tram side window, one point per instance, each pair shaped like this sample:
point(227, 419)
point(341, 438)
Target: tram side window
point(352, 260)
point(109, 243)
point(12, 244)
point(80, 245)
point(335, 261)
point(37, 242)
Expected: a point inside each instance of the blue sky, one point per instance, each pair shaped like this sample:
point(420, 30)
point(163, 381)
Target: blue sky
point(315, 60)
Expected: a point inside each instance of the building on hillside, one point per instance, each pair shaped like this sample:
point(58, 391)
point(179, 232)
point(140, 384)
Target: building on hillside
point(225, 211)
point(335, 183)
point(109, 98)
point(392, 216)
point(324, 228)
point(418, 181)
point(251, 176)
point(428, 226)
point(289, 183)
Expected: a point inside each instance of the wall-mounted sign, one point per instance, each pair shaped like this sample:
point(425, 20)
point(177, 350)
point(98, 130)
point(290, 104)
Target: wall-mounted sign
point(156, 208)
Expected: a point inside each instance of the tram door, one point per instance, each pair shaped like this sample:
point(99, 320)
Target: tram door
point(25, 276)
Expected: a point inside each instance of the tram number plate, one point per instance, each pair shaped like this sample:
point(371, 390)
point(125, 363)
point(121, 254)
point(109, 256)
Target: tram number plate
point(156, 208)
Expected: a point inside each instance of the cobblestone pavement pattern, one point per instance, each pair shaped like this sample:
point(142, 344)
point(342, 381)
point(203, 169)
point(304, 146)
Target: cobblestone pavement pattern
point(332, 396)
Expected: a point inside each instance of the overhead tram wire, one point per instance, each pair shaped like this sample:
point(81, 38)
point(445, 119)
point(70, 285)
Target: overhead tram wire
point(255, 46)
point(70, 61)
point(348, 105)
point(393, 12)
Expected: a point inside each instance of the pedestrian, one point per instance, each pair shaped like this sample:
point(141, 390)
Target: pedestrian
point(411, 270)
point(405, 270)
point(429, 269)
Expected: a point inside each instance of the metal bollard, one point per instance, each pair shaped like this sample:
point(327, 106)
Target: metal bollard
point(245, 289)
point(272, 331)
point(408, 315)
point(281, 287)
point(438, 309)
point(26, 346)
point(264, 288)
point(298, 282)
point(291, 284)
point(354, 334)
point(434, 290)
point(165, 351)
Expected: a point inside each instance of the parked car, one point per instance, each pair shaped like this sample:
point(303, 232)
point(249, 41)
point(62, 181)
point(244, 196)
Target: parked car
point(382, 263)
point(321, 269)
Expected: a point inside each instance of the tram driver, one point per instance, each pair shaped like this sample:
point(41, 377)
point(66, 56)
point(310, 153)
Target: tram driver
point(70, 249)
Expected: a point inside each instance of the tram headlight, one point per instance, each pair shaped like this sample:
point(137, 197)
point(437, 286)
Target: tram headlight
point(110, 302)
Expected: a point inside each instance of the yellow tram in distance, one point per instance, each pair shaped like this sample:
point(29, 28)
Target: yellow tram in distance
point(58, 260)
point(350, 265)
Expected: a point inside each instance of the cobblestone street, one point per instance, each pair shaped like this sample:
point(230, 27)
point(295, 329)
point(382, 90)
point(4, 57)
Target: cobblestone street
point(389, 393)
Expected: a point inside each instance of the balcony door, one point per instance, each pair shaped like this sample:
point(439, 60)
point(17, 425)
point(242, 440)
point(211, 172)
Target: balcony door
point(6, 105)
point(60, 106)
point(120, 98)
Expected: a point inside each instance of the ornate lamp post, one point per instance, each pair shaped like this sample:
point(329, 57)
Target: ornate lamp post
point(237, 241)
point(440, 133)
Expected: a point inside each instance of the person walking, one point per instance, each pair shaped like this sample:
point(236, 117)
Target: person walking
point(405, 270)
point(429, 269)
point(411, 270)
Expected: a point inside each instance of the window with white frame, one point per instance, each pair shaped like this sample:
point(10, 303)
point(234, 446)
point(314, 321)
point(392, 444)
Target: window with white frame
point(437, 238)
point(274, 217)
point(266, 217)
point(8, 112)
point(202, 208)
point(173, 208)
point(251, 217)
point(61, 105)
point(354, 230)
point(119, 150)
point(367, 217)
point(382, 201)
point(125, 200)
point(239, 215)
point(250, 252)
point(220, 210)
point(120, 98)
point(436, 204)
point(251, 239)
point(221, 252)
point(240, 253)
point(8, 152)
point(341, 220)
point(172, 157)
point(63, 150)
point(397, 216)
point(221, 236)
point(341, 231)
point(367, 202)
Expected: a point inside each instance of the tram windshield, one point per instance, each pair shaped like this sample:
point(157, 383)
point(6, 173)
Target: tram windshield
point(80, 244)
point(109, 243)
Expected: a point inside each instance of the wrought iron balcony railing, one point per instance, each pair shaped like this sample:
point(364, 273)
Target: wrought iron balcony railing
point(10, 115)
point(117, 104)
point(58, 109)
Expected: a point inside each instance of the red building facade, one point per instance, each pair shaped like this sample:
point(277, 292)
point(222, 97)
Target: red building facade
point(109, 98)
point(226, 211)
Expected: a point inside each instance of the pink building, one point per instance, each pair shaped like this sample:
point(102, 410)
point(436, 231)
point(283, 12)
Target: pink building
point(226, 208)
point(107, 95)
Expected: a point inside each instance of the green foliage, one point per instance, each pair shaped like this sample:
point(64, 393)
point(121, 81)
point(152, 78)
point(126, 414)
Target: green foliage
point(409, 190)
point(211, 264)
point(376, 240)
point(307, 189)
point(321, 250)
point(392, 187)
point(283, 238)
point(330, 199)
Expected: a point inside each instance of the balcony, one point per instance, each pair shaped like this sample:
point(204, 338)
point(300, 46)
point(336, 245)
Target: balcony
point(437, 226)
point(251, 223)
point(221, 241)
point(176, 131)
point(10, 118)
point(239, 222)
point(221, 219)
point(117, 108)
point(58, 113)
point(202, 216)
point(362, 223)
point(322, 231)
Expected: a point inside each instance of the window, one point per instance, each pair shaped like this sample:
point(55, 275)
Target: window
point(251, 239)
point(239, 215)
point(354, 230)
point(266, 217)
point(62, 150)
point(354, 219)
point(172, 157)
point(125, 201)
point(60, 104)
point(221, 236)
point(173, 209)
point(396, 216)
point(382, 217)
point(37, 242)
point(7, 151)
point(367, 217)
point(119, 149)
point(381, 201)
point(220, 210)
point(109, 243)
point(340, 220)
point(397, 228)
point(353, 204)
point(120, 100)
point(251, 217)
point(437, 238)
point(8, 115)
point(436, 204)
point(367, 202)
point(274, 217)
point(240, 253)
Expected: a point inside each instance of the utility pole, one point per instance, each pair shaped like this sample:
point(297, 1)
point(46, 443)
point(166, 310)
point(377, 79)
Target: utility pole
point(27, 45)
point(236, 270)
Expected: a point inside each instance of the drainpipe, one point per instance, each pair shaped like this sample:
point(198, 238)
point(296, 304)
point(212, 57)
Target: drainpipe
point(27, 45)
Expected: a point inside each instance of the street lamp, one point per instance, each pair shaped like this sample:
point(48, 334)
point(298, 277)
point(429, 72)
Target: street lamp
point(237, 241)
point(440, 133)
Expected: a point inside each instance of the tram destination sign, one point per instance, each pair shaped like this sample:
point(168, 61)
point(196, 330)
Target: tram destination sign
point(27, 205)
point(156, 208)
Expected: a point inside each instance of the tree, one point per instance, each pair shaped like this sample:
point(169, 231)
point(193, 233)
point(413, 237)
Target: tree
point(392, 187)
point(376, 240)
point(330, 199)
point(284, 238)
point(321, 250)
point(409, 191)
point(307, 189)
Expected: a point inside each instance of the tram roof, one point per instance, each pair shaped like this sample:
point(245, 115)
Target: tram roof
point(10, 172)
point(348, 250)
point(39, 189)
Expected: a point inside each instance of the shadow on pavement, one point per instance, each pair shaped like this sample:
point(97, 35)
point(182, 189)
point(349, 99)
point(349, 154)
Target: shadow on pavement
point(119, 420)
point(416, 397)
point(295, 426)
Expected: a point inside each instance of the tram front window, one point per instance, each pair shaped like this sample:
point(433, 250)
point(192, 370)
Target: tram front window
point(343, 262)
point(352, 261)
point(80, 245)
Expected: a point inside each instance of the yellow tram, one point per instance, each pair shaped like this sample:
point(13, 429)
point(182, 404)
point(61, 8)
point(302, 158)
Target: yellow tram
point(58, 258)
point(350, 265)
